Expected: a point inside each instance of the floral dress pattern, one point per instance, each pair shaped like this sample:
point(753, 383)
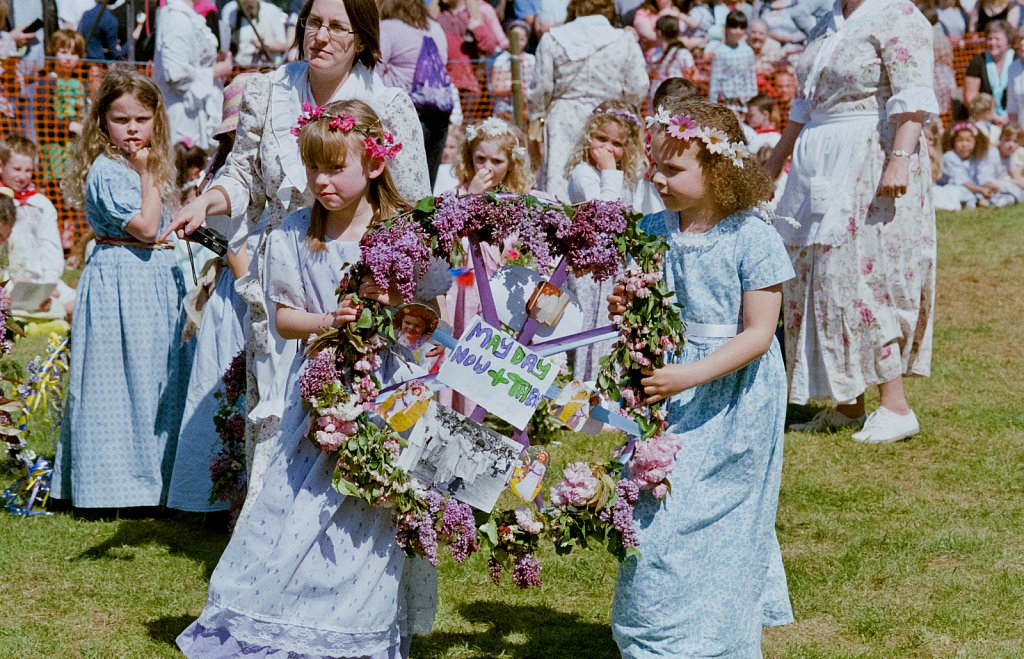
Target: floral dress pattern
point(710, 574)
point(860, 311)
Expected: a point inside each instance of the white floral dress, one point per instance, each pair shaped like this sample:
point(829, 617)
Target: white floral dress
point(860, 310)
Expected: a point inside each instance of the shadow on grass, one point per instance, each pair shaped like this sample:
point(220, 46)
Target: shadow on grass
point(181, 538)
point(521, 631)
point(165, 630)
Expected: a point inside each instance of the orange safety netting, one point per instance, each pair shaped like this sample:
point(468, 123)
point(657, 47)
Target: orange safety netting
point(42, 104)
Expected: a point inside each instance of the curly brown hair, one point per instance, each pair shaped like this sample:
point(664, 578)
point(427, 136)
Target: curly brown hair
point(980, 138)
point(604, 8)
point(731, 188)
point(95, 138)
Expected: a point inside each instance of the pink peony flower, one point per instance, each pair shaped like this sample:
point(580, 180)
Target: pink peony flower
point(578, 486)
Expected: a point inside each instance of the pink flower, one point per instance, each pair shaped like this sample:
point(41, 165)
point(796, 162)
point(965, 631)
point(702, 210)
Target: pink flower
point(867, 265)
point(330, 441)
point(682, 127)
point(902, 55)
point(866, 316)
point(578, 486)
point(659, 491)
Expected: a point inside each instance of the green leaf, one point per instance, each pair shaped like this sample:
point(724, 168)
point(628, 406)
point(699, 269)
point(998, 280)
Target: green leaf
point(426, 205)
point(365, 319)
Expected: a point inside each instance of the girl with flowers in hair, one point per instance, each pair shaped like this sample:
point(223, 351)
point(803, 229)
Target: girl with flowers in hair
point(493, 155)
point(309, 571)
point(711, 576)
point(608, 163)
point(967, 169)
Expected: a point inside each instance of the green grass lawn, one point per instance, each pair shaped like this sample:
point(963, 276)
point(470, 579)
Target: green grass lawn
point(907, 550)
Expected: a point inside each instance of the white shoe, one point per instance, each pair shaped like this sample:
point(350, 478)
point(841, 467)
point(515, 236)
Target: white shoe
point(884, 426)
point(828, 420)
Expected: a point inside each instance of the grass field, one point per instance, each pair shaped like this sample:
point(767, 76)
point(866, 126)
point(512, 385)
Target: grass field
point(907, 550)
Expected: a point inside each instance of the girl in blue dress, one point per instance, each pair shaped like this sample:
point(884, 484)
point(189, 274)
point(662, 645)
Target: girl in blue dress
point(310, 572)
point(711, 576)
point(129, 370)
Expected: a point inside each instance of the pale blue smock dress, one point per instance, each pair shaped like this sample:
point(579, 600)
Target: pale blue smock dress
point(711, 576)
point(129, 369)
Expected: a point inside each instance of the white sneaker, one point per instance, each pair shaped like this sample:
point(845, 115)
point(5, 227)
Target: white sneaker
point(828, 420)
point(884, 426)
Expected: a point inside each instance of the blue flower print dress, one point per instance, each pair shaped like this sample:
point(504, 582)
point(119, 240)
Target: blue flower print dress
point(710, 575)
point(308, 572)
point(129, 369)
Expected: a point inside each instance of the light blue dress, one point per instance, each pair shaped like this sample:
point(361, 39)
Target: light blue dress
point(129, 370)
point(711, 573)
point(220, 337)
point(308, 572)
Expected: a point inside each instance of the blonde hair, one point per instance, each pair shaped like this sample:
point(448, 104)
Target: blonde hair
point(518, 177)
point(980, 106)
point(321, 146)
point(634, 159)
point(95, 138)
point(731, 188)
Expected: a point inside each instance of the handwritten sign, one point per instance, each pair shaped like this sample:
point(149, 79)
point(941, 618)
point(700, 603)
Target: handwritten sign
point(493, 370)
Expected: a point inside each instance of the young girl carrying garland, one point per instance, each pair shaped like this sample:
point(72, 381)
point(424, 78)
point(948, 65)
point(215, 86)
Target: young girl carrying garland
point(711, 576)
point(608, 163)
point(129, 370)
point(309, 571)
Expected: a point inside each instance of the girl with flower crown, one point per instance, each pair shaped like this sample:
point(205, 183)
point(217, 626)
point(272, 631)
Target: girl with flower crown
point(608, 163)
point(309, 571)
point(710, 575)
point(493, 155)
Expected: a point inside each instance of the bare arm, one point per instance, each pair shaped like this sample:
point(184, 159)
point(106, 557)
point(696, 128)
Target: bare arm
point(783, 149)
point(897, 168)
point(760, 317)
point(145, 226)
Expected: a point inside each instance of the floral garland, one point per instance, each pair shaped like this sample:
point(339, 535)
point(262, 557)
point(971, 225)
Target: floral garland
point(228, 476)
point(592, 504)
point(684, 127)
point(383, 147)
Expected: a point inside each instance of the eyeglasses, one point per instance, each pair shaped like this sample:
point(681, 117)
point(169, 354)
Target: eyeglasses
point(335, 30)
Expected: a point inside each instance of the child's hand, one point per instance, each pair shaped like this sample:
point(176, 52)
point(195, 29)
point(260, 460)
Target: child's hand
point(138, 158)
point(668, 381)
point(368, 289)
point(482, 181)
point(347, 312)
point(602, 157)
point(616, 302)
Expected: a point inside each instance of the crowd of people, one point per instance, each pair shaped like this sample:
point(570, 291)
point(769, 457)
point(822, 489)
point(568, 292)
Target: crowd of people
point(355, 110)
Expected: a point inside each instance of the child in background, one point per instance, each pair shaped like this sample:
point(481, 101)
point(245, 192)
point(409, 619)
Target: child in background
point(35, 252)
point(670, 59)
point(7, 217)
point(966, 167)
point(493, 155)
point(189, 162)
point(739, 110)
point(980, 113)
point(710, 575)
point(319, 568)
point(761, 118)
point(608, 163)
point(944, 197)
point(1010, 165)
point(128, 368)
point(446, 179)
point(500, 70)
point(732, 63)
point(63, 96)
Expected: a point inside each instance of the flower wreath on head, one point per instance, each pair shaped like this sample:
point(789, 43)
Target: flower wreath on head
point(964, 125)
point(382, 147)
point(625, 115)
point(685, 127)
point(495, 127)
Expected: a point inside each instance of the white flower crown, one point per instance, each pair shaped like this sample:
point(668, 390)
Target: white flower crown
point(684, 127)
point(491, 126)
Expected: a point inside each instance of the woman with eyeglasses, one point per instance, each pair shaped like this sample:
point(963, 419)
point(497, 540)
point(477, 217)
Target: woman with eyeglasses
point(263, 180)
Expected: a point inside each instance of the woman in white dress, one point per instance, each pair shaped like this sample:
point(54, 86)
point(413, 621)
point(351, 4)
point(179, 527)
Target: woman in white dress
point(186, 70)
point(337, 64)
point(579, 65)
point(860, 310)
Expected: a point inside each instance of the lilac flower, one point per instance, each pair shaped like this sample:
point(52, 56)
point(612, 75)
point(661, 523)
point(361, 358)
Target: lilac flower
point(394, 254)
point(622, 516)
point(320, 371)
point(458, 529)
point(526, 572)
point(234, 377)
point(494, 569)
